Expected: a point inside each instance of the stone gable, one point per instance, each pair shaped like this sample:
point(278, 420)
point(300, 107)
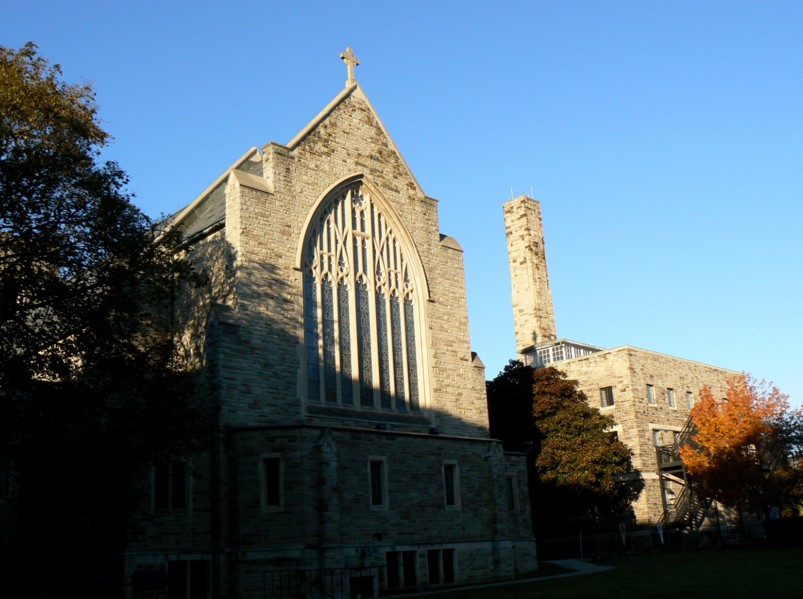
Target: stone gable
point(296, 321)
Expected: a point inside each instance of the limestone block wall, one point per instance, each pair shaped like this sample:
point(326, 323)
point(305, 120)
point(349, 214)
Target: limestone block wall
point(264, 227)
point(533, 310)
point(155, 536)
point(629, 370)
point(193, 306)
point(458, 382)
point(245, 332)
point(326, 518)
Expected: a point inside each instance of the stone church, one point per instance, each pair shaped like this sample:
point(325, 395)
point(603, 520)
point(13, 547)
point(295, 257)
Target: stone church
point(648, 394)
point(353, 454)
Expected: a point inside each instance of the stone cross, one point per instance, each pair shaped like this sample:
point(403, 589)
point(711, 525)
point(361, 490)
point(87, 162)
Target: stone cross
point(351, 62)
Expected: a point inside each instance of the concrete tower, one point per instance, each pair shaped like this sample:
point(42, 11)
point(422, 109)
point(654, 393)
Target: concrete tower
point(533, 313)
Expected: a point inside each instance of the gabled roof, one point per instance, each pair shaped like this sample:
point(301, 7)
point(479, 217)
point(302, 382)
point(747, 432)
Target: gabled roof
point(209, 208)
point(356, 90)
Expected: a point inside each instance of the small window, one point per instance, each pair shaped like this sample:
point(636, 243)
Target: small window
point(651, 395)
point(401, 569)
point(170, 486)
point(512, 489)
point(606, 397)
point(6, 479)
point(377, 473)
point(272, 491)
point(689, 399)
point(670, 397)
point(441, 566)
point(188, 579)
point(451, 485)
point(664, 437)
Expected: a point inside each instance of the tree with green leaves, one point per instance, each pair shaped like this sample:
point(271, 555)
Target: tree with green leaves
point(580, 473)
point(86, 280)
point(89, 376)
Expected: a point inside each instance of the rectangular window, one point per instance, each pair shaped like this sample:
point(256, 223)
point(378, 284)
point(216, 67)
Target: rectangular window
point(441, 566)
point(451, 484)
point(6, 479)
point(401, 569)
point(170, 486)
point(188, 579)
point(689, 399)
point(606, 397)
point(670, 397)
point(512, 490)
point(377, 474)
point(651, 395)
point(272, 479)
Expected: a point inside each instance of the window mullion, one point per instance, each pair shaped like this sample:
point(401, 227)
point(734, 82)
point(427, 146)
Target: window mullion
point(351, 277)
point(370, 272)
point(391, 275)
point(337, 218)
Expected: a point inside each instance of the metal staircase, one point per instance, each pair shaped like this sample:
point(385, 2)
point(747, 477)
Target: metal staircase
point(689, 509)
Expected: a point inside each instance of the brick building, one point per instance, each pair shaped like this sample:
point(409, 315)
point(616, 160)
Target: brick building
point(648, 394)
point(353, 451)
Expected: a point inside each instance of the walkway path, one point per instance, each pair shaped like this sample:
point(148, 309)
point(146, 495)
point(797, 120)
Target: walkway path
point(577, 567)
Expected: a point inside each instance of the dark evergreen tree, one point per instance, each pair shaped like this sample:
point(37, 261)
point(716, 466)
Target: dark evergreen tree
point(581, 475)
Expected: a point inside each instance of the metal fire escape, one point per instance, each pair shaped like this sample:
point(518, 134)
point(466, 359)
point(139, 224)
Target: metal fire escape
point(688, 509)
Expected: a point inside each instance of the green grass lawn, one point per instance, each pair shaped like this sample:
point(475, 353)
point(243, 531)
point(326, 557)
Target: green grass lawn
point(731, 573)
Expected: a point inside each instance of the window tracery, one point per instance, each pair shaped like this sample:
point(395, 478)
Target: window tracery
point(360, 309)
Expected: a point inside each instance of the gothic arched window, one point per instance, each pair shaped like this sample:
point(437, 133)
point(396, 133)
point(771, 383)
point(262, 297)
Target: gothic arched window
point(360, 309)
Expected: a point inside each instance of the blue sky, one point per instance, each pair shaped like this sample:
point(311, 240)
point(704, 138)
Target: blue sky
point(663, 139)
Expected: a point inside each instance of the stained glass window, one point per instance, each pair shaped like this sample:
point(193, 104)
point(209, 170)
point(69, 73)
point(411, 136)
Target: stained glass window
point(346, 382)
point(398, 357)
point(364, 339)
point(382, 342)
point(329, 368)
point(412, 370)
point(360, 308)
point(311, 335)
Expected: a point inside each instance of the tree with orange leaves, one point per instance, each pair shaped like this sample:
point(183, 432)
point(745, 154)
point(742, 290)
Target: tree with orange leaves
point(746, 451)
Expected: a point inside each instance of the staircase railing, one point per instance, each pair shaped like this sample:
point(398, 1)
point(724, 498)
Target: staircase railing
point(684, 436)
point(688, 507)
